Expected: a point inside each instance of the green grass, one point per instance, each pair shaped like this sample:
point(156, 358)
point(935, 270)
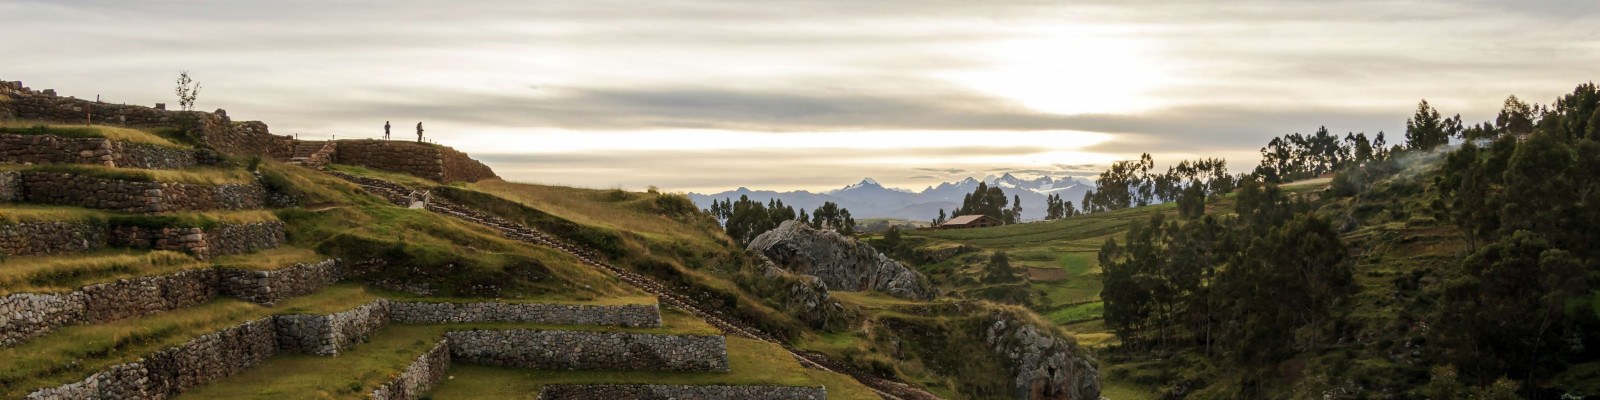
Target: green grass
point(1077, 313)
point(73, 353)
point(750, 363)
point(269, 259)
point(615, 209)
point(88, 131)
point(20, 213)
point(412, 181)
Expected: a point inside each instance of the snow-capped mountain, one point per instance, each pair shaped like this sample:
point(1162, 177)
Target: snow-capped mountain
point(869, 199)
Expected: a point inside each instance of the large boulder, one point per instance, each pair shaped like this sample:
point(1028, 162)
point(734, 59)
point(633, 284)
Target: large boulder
point(841, 263)
point(1044, 366)
point(806, 297)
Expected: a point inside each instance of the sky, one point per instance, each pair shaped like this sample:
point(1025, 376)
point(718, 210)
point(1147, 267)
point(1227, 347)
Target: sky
point(709, 95)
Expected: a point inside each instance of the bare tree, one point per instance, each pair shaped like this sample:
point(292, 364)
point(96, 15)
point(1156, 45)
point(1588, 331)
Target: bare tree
point(187, 90)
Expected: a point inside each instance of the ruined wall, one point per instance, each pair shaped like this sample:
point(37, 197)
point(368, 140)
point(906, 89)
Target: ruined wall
point(419, 378)
point(250, 138)
point(589, 350)
point(134, 196)
point(434, 162)
point(565, 314)
point(612, 392)
point(25, 316)
point(50, 237)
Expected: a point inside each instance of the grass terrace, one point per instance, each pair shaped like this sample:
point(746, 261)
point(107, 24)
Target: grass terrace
point(750, 363)
point(69, 272)
point(356, 373)
point(155, 136)
point(210, 176)
point(73, 353)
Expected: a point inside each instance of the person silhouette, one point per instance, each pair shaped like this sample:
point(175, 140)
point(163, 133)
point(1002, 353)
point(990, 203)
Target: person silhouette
point(419, 132)
point(385, 130)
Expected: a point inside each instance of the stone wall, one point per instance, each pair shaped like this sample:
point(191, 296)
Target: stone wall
point(589, 350)
point(267, 287)
point(170, 372)
point(223, 239)
point(419, 378)
point(644, 315)
point(52, 149)
point(134, 196)
point(250, 138)
point(50, 237)
point(434, 162)
point(643, 392)
point(10, 186)
point(25, 316)
point(326, 335)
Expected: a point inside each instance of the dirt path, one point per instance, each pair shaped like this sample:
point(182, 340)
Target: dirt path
point(668, 296)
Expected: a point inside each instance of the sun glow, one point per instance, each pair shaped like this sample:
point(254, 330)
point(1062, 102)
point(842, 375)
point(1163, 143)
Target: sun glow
point(1074, 72)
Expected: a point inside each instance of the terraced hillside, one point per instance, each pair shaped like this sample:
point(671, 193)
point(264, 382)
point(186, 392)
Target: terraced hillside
point(203, 269)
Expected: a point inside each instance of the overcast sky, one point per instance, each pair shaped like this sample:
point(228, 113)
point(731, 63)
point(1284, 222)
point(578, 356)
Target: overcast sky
point(703, 95)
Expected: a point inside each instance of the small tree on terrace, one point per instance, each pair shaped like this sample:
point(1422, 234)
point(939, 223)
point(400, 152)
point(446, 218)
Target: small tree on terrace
point(187, 91)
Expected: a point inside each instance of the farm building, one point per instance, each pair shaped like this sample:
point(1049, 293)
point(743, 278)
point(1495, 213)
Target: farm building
point(971, 221)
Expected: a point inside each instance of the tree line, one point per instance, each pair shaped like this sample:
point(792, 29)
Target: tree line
point(1257, 287)
point(745, 219)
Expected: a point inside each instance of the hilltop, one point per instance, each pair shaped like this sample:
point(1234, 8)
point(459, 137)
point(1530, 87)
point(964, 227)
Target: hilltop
point(869, 199)
point(188, 255)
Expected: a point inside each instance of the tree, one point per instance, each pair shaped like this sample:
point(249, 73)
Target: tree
point(999, 269)
point(1426, 130)
point(1516, 118)
point(187, 91)
point(1507, 314)
point(1192, 204)
point(985, 200)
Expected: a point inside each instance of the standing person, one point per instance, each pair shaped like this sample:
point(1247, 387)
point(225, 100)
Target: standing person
point(419, 132)
point(385, 130)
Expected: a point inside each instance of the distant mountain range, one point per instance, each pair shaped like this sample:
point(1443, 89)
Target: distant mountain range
point(868, 199)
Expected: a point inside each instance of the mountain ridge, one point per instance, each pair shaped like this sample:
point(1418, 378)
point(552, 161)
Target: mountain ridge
point(870, 199)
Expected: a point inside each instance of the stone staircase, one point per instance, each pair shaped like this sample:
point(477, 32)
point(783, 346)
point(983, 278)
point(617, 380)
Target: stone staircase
point(668, 296)
point(313, 153)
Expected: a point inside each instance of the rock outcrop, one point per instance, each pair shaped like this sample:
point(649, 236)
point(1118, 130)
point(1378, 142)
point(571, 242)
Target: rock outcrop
point(842, 263)
point(805, 296)
point(1044, 366)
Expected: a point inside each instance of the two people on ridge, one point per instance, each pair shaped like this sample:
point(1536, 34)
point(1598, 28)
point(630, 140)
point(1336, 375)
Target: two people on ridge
point(386, 131)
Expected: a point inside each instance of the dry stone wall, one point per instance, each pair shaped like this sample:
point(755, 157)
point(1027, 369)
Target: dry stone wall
point(25, 316)
point(419, 378)
point(644, 315)
point(589, 350)
point(327, 335)
point(134, 196)
point(51, 237)
point(656, 392)
point(267, 287)
point(434, 162)
point(52, 149)
point(170, 372)
point(10, 186)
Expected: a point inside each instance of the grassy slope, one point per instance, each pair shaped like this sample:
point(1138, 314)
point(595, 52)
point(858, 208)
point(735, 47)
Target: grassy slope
point(1070, 246)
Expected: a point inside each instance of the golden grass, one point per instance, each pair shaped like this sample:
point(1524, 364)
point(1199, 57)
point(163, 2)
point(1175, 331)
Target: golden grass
point(271, 259)
point(19, 213)
point(211, 176)
point(614, 208)
point(108, 132)
point(409, 180)
point(67, 273)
